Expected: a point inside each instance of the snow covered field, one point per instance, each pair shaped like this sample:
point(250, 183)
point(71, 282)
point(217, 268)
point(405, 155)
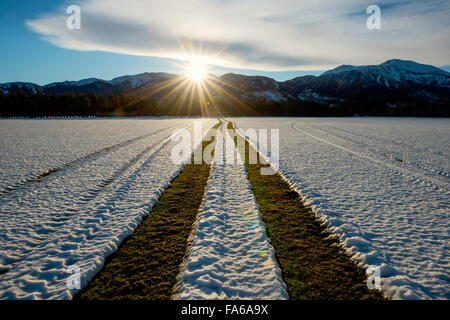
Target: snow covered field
point(230, 256)
point(31, 147)
point(80, 214)
point(383, 186)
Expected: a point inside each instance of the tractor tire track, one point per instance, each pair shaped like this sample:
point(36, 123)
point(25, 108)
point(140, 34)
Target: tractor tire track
point(77, 162)
point(31, 233)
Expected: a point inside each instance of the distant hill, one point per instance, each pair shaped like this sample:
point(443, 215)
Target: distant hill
point(122, 84)
point(394, 80)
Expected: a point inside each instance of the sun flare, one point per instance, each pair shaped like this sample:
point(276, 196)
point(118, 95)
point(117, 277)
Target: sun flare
point(196, 72)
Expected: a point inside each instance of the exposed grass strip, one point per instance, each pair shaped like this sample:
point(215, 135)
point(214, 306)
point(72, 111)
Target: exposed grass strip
point(146, 264)
point(314, 265)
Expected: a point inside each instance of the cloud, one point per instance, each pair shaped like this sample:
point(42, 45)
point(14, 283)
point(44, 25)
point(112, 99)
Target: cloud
point(255, 34)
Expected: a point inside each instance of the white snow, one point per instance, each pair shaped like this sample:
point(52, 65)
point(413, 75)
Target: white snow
point(79, 83)
point(383, 187)
point(32, 147)
point(80, 215)
point(230, 256)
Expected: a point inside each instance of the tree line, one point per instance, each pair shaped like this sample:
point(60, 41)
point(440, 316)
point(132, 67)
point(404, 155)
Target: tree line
point(39, 104)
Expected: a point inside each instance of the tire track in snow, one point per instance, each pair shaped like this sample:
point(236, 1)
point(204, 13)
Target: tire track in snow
point(392, 220)
point(230, 256)
point(164, 233)
point(79, 161)
point(387, 140)
point(14, 250)
point(153, 148)
point(418, 176)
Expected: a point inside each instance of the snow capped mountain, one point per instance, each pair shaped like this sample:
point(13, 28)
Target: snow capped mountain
point(392, 81)
point(90, 85)
point(132, 81)
point(83, 82)
point(27, 87)
point(393, 73)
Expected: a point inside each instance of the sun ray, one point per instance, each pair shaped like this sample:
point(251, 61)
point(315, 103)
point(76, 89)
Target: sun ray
point(228, 94)
point(197, 92)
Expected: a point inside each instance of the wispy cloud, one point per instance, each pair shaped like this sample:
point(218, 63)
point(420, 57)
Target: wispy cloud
point(265, 35)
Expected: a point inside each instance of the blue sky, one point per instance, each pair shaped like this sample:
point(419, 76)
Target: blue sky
point(25, 57)
point(37, 51)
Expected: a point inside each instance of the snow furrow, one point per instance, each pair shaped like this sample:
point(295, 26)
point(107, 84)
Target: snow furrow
point(230, 256)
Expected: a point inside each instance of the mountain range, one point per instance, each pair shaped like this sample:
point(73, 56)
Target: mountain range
point(392, 81)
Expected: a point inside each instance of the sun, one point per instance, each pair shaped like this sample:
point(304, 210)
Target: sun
point(196, 72)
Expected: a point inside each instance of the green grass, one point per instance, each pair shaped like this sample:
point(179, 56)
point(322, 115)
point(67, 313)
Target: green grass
point(314, 265)
point(146, 264)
